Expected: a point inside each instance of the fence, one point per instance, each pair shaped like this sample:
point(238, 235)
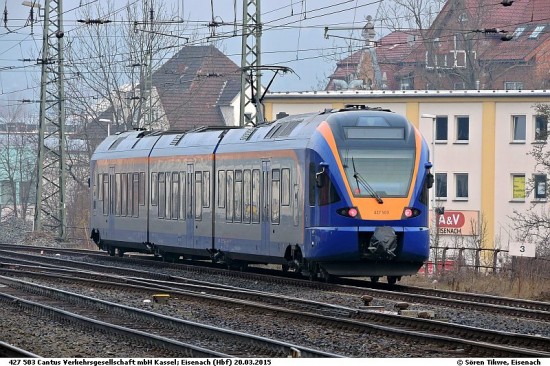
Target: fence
point(484, 260)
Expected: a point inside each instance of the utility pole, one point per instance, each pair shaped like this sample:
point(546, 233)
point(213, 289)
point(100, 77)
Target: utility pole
point(251, 82)
point(50, 209)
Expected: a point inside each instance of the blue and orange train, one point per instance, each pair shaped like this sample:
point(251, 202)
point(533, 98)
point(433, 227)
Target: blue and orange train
point(338, 193)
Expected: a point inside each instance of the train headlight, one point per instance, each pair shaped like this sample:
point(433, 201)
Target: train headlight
point(352, 212)
point(410, 212)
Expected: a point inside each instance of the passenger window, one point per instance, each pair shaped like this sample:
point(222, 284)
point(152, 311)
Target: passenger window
point(238, 201)
point(182, 195)
point(99, 184)
point(135, 196)
point(206, 189)
point(247, 190)
point(124, 195)
point(175, 195)
point(221, 189)
point(198, 195)
point(161, 195)
point(154, 189)
point(106, 194)
point(275, 196)
point(229, 196)
point(118, 196)
point(142, 185)
point(285, 187)
point(255, 196)
point(168, 196)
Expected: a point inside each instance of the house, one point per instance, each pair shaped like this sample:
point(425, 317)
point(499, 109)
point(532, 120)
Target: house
point(471, 44)
point(198, 86)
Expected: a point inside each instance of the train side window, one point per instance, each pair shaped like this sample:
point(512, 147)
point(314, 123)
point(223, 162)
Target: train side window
point(285, 187)
point(154, 189)
point(327, 191)
point(275, 196)
point(182, 195)
point(118, 195)
point(221, 189)
point(295, 206)
point(161, 195)
point(206, 189)
point(99, 184)
point(124, 200)
point(168, 196)
point(229, 196)
point(175, 195)
point(247, 190)
point(135, 200)
point(312, 184)
point(142, 188)
point(129, 195)
point(198, 195)
point(106, 194)
point(255, 196)
point(238, 198)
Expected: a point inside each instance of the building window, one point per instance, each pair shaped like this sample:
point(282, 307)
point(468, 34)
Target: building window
point(441, 128)
point(405, 84)
point(441, 185)
point(6, 192)
point(518, 32)
point(518, 187)
point(463, 128)
point(541, 186)
point(459, 86)
point(518, 128)
point(461, 180)
point(513, 85)
point(541, 128)
point(538, 30)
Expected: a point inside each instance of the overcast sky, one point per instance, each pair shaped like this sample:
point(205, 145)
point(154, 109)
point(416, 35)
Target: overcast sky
point(293, 36)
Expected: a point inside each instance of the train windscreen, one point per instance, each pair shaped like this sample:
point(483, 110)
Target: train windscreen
point(387, 172)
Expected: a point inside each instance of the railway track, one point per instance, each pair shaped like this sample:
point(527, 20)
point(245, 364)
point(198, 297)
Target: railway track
point(9, 351)
point(459, 300)
point(170, 336)
point(477, 341)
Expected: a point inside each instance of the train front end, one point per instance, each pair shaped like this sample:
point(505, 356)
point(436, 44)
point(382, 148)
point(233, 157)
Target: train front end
point(371, 175)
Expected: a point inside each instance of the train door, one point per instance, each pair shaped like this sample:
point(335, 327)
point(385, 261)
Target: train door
point(190, 204)
point(265, 216)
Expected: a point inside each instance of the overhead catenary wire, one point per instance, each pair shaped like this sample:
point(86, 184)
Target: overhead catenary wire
point(299, 23)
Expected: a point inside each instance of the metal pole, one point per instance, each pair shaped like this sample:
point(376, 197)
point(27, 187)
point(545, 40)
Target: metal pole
point(51, 167)
point(250, 60)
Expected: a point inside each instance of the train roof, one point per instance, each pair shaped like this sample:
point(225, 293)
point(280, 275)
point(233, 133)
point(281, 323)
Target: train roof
point(291, 132)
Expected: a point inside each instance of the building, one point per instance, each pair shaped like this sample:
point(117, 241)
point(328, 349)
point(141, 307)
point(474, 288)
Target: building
point(471, 45)
point(479, 143)
point(198, 86)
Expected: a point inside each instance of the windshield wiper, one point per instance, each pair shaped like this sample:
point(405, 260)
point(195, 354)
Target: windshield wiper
point(360, 180)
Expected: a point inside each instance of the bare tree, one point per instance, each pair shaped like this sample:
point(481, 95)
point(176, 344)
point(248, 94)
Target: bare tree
point(533, 225)
point(408, 14)
point(111, 58)
point(17, 163)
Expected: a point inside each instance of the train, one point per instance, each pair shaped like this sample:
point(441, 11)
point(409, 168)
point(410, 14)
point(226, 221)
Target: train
point(342, 192)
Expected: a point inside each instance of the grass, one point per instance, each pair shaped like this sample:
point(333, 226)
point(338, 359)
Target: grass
point(521, 285)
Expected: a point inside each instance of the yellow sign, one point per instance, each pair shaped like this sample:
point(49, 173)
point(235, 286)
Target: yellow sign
point(518, 186)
